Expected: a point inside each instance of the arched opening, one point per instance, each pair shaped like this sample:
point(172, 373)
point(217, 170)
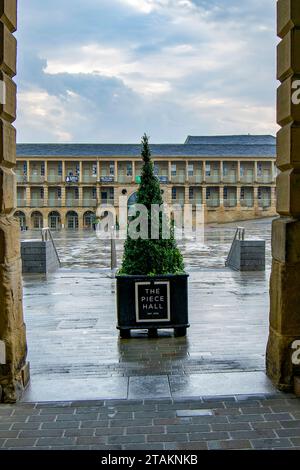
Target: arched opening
point(89, 220)
point(22, 219)
point(72, 220)
point(54, 220)
point(132, 199)
point(37, 220)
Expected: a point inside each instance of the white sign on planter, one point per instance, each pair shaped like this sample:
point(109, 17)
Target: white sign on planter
point(2, 353)
point(152, 301)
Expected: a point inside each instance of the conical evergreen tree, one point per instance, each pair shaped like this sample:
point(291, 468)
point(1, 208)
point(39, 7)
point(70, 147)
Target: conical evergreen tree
point(151, 256)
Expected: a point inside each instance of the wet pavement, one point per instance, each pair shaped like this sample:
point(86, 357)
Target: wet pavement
point(75, 351)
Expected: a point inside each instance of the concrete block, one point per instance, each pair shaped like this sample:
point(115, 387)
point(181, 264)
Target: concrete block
point(8, 191)
point(288, 193)
point(7, 143)
point(38, 257)
point(287, 111)
point(288, 57)
point(8, 13)
point(288, 16)
point(8, 51)
point(288, 147)
point(286, 240)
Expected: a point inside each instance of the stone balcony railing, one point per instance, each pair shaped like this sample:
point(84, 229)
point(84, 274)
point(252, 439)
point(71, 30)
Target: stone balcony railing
point(267, 179)
point(124, 179)
point(89, 202)
point(21, 202)
point(248, 179)
point(230, 178)
point(54, 179)
point(195, 201)
point(178, 179)
point(37, 179)
point(37, 202)
point(264, 203)
point(248, 202)
point(214, 178)
point(107, 202)
point(55, 202)
point(89, 179)
point(212, 202)
point(193, 179)
point(21, 178)
point(72, 203)
point(231, 202)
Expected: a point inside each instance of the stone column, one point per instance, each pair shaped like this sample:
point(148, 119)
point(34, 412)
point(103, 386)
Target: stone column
point(285, 278)
point(14, 374)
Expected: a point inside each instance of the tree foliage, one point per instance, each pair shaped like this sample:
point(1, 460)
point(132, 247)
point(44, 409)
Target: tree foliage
point(151, 256)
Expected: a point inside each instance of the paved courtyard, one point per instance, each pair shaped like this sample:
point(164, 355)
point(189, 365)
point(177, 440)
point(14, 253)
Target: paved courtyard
point(74, 348)
point(92, 391)
point(256, 422)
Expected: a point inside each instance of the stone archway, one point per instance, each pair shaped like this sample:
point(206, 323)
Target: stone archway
point(285, 279)
point(14, 372)
point(37, 220)
point(89, 220)
point(72, 220)
point(22, 219)
point(54, 220)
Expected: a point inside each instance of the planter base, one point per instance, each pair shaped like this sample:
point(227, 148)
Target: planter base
point(179, 331)
point(152, 303)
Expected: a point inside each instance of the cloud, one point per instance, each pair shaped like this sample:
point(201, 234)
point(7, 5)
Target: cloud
point(110, 70)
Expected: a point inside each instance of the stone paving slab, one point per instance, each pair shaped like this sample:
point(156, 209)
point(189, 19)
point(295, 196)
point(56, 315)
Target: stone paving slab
point(203, 423)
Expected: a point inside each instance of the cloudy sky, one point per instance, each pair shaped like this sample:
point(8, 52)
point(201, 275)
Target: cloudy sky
point(110, 70)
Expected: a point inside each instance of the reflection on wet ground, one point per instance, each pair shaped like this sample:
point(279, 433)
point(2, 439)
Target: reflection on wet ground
point(71, 320)
point(85, 250)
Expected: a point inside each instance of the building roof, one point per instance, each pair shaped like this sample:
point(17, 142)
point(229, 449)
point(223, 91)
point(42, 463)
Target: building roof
point(231, 140)
point(158, 150)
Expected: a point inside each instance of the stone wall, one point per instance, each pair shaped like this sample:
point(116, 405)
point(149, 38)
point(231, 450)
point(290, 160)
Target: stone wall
point(285, 278)
point(14, 373)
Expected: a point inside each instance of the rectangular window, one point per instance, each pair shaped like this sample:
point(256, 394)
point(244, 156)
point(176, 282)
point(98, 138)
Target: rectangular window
point(58, 193)
point(76, 192)
point(174, 193)
point(259, 194)
point(112, 168)
point(259, 169)
point(94, 169)
point(208, 169)
point(42, 193)
point(129, 169)
point(191, 193)
point(208, 193)
point(60, 168)
point(242, 193)
point(191, 169)
point(156, 169)
point(104, 195)
point(77, 169)
point(225, 193)
point(94, 192)
point(43, 169)
point(173, 169)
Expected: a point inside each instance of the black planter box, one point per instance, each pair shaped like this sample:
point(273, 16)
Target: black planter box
point(152, 302)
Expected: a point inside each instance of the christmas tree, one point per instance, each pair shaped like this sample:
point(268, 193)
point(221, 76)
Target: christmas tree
point(151, 256)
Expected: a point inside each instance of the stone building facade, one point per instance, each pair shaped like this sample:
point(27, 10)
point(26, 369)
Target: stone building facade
point(61, 187)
